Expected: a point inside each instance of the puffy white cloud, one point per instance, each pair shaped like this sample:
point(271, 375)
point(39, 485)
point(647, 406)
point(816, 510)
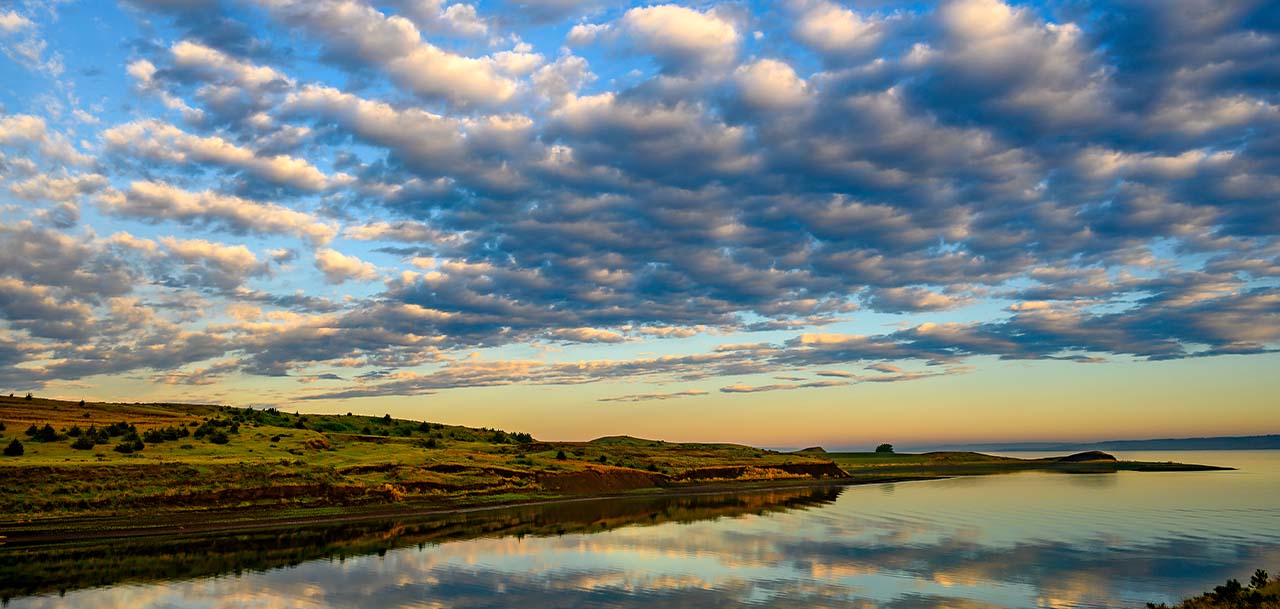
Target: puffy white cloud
point(771, 84)
point(454, 19)
point(355, 31)
point(834, 29)
point(156, 201)
point(214, 64)
point(340, 268)
point(62, 188)
point(160, 141)
point(27, 129)
point(680, 38)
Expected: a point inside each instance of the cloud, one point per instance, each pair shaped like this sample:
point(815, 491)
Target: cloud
point(770, 84)
point(835, 30)
point(155, 201)
point(1083, 182)
point(213, 64)
point(740, 388)
point(647, 397)
point(454, 19)
point(900, 300)
point(158, 141)
point(340, 268)
point(11, 22)
point(681, 39)
point(28, 129)
point(356, 32)
point(588, 335)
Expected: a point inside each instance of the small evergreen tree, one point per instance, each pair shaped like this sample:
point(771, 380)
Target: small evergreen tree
point(560, 456)
point(83, 443)
point(29, 397)
point(1, 425)
point(14, 449)
point(884, 448)
point(1259, 580)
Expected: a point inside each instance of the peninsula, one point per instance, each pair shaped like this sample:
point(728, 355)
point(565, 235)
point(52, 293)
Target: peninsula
point(101, 469)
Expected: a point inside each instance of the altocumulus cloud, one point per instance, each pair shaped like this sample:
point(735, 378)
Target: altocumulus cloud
point(406, 198)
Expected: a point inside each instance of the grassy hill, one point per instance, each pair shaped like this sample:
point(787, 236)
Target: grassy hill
point(185, 457)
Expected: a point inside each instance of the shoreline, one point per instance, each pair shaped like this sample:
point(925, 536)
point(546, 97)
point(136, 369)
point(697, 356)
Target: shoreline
point(43, 532)
point(52, 531)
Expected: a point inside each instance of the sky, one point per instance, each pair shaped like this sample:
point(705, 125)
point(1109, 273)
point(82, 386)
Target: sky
point(780, 223)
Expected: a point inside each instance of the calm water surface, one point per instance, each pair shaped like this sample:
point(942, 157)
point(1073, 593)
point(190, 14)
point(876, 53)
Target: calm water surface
point(1015, 541)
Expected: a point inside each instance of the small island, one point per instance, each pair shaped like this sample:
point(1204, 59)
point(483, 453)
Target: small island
point(77, 470)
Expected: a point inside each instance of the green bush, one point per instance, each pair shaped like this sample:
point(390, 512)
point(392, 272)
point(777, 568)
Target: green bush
point(14, 449)
point(130, 444)
point(560, 456)
point(83, 443)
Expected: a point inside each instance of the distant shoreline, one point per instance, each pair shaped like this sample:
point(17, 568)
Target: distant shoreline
point(1258, 442)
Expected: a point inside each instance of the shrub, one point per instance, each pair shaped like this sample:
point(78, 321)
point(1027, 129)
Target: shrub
point(32, 431)
point(47, 434)
point(603, 459)
point(14, 449)
point(218, 437)
point(884, 448)
point(560, 456)
point(522, 438)
point(75, 431)
point(130, 444)
point(29, 397)
point(1259, 580)
point(83, 443)
point(1, 425)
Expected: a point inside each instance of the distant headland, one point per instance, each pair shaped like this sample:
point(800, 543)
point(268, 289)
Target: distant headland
point(1264, 442)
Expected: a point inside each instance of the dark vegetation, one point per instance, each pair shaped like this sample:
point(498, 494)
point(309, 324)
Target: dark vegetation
point(1262, 592)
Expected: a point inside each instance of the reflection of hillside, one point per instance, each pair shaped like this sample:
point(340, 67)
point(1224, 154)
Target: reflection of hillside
point(68, 566)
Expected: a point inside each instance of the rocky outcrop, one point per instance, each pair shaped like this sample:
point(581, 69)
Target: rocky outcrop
point(601, 480)
point(786, 470)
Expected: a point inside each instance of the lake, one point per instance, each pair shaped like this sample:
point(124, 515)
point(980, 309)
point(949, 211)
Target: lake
point(1009, 541)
